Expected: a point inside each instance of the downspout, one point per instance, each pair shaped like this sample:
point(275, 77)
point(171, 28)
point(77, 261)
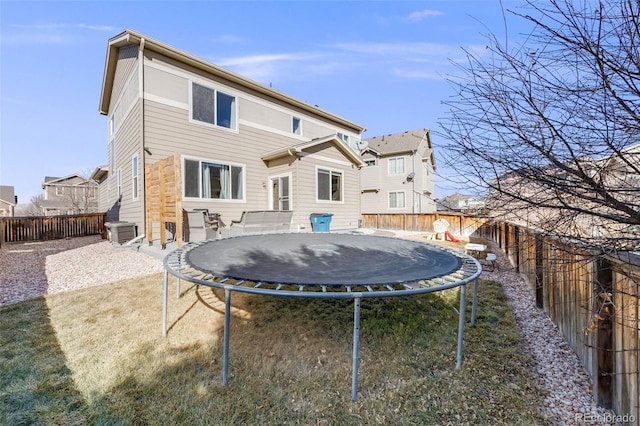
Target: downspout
point(413, 183)
point(144, 148)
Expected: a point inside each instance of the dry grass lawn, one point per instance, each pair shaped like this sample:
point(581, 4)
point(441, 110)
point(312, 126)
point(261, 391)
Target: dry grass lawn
point(96, 356)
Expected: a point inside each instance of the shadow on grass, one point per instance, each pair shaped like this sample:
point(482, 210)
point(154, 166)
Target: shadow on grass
point(36, 386)
point(290, 362)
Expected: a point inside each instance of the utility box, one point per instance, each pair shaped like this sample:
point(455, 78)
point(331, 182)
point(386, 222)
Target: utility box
point(321, 222)
point(121, 232)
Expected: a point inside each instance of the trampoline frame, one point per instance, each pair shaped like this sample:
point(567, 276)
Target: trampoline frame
point(176, 264)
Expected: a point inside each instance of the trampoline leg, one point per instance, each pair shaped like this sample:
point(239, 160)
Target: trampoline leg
point(356, 348)
point(463, 295)
point(475, 303)
point(164, 303)
point(225, 347)
point(178, 288)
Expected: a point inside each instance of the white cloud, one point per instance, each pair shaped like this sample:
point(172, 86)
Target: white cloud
point(420, 15)
point(267, 67)
point(48, 33)
point(398, 49)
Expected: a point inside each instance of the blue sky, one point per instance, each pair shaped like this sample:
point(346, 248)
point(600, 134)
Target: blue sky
point(381, 64)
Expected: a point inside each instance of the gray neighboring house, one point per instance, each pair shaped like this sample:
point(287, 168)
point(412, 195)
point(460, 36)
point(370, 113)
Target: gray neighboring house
point(398, 174)
point(242, 145)
point(8, 201)
point(461, 203)
point(71, 194)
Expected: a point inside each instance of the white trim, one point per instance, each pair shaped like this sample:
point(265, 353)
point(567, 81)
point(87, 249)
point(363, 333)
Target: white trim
point(270, 192)
point(223, 163)
point(258, 126)
point(236, 104)
point(331, 170)
point(389, 200)
point(326, 159)
point(166, 101)
point(404, 165)
point(135, 177)
point(244, 95)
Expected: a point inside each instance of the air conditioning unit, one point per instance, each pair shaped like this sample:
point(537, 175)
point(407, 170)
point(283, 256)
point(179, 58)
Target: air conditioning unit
point(121, 232)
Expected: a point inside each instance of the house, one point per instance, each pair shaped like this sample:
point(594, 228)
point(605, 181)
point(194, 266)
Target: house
point(461, 203)
point(242, 146)
point(71, 194)
point(398, 177)
point(8, 201)
point(593, 200)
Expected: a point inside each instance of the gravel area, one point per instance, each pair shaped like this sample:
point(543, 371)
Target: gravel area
point(31, 270)
point(570, 399)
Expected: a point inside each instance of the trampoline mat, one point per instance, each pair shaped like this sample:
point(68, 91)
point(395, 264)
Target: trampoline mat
point(322, 259)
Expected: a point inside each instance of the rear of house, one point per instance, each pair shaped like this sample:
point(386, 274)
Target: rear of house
point(242, 145)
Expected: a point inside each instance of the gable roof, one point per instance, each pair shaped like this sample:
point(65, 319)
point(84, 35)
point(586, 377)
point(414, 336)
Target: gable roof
point(292, 150)
point(129, 37)
point(400, 143)
point(7, 195)
point(49, 180)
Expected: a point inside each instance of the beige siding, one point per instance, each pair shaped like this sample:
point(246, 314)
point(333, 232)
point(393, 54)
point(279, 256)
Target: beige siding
point(262, 115)
point(128, 141)
point(263, 126)
point(127, 63)
point(168, 86)
point(378, 177)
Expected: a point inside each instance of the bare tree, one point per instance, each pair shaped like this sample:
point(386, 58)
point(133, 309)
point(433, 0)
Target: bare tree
point(34, 208)
point(551, 127)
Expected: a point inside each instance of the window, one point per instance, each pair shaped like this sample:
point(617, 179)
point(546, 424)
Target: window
point(344, 138)
point(59, 190)
point(119, 178)
point(134, 176)
point(329, 185)
point(396, 166)
point(213, 107)
point(371, 162)
point(397, 200)
point(295, 126)
point(213, 181)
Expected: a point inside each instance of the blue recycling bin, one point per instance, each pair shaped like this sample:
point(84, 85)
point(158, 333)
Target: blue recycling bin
point(321, 222)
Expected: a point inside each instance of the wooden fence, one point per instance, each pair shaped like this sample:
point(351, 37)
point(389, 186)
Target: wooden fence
point(593, 299)
point(460, 224)
point(40, 228)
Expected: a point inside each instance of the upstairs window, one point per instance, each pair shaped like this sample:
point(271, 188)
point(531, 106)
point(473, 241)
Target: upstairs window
point(396, 166)
point(213, 107)
point(344, 138)
point(296, 126)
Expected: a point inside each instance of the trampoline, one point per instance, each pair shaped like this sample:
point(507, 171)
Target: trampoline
point(322, 265)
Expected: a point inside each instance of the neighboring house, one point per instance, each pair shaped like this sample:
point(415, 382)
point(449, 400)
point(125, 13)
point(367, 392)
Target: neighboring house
point(398, 177)
point(71, 194)
point(8, 201)
point(595, 200)
point(461, 203)
point(242, 145)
